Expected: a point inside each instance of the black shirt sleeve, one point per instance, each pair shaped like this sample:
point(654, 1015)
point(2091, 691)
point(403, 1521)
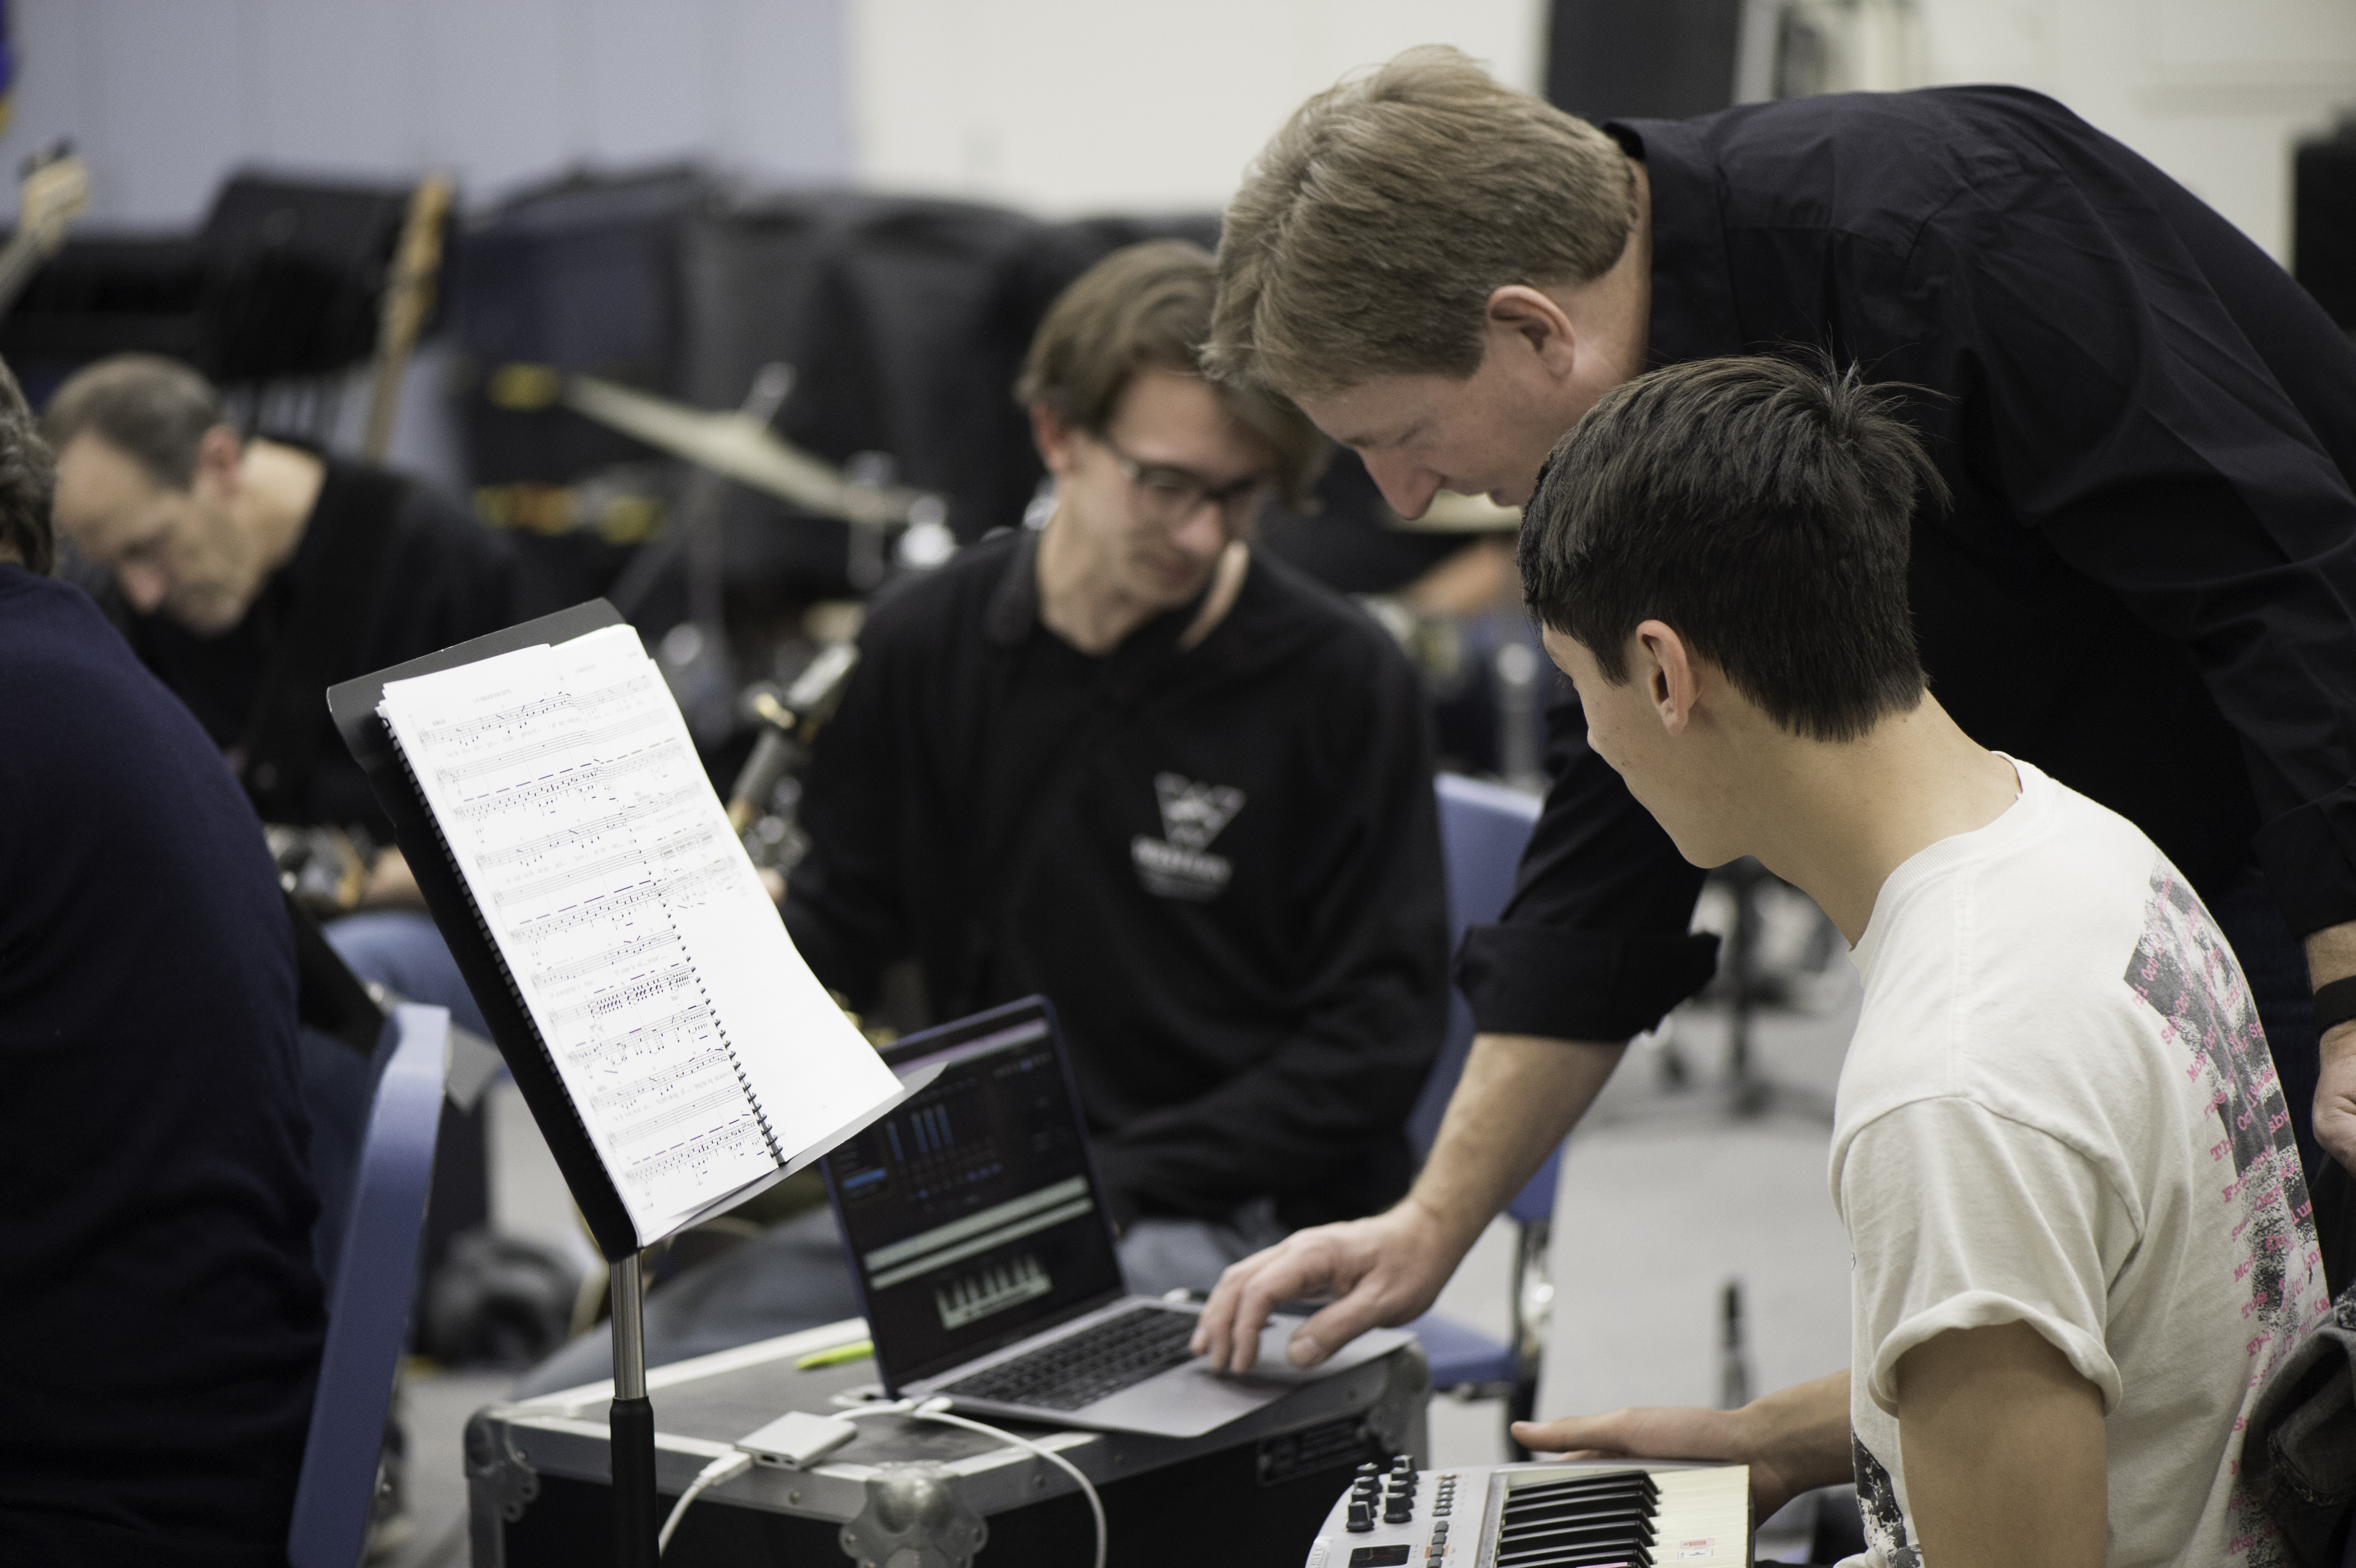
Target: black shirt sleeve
point(1594, 945)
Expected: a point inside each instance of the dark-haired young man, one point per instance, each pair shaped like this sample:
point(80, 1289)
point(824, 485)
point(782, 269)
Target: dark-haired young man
point(156, 1288)
point(2145, 584)
point(1132, 762)
point(2059, 1150)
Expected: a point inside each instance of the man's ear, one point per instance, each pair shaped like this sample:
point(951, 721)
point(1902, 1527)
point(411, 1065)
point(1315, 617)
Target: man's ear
point(1059, 443)
point(1530, 318)
point(220, 451)
point(1666, 667)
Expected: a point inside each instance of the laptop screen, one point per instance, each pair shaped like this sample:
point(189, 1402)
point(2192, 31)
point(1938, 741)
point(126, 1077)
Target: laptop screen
point(970, 1212)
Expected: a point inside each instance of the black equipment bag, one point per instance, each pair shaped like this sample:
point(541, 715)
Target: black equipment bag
point(285, 279)
point(580, 275)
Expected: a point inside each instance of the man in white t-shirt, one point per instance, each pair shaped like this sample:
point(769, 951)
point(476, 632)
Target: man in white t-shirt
point(2080, 1236)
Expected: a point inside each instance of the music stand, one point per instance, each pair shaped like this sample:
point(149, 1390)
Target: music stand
point(636, 1507)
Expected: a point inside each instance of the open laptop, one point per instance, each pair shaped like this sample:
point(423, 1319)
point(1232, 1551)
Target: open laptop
point(983, 1250)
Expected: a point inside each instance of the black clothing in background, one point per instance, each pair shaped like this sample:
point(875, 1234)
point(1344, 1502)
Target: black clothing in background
point(162, 1319)
point(2147, 583)
point(1253, 997)
point(442, 577)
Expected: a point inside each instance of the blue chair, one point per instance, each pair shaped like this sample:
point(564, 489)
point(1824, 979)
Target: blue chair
point(368, 1304)
point(1482, 831)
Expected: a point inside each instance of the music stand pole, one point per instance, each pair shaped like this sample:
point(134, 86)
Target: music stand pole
point(637, 1511)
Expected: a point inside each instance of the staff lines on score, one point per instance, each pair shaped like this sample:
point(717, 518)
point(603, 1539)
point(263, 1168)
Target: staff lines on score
point(465, 731)
point(538, 793)
point(534, 848)
point(453, 775)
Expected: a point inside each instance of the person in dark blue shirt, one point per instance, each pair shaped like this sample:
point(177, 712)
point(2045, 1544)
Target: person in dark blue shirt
point(161, 1313)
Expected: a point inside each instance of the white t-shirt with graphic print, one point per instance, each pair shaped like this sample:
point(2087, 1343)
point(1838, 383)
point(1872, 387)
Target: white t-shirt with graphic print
point(2058, 1109)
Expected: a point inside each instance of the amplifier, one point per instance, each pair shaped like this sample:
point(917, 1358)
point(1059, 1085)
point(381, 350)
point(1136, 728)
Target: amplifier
point(1589, 1514)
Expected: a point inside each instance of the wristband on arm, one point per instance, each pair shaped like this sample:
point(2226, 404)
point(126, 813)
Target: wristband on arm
point(2334, 1005)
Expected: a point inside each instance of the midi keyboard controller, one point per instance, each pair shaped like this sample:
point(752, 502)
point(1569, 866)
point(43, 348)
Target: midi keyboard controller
point(1580, 1514)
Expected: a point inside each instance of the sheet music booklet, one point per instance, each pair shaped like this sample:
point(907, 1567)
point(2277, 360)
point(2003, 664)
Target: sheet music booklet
point(703, 1058)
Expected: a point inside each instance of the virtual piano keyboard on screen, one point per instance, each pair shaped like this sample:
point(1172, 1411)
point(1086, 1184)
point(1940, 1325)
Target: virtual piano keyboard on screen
point(1585, 1515)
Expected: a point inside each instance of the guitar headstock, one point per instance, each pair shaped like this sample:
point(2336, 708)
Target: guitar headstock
point(55, 191)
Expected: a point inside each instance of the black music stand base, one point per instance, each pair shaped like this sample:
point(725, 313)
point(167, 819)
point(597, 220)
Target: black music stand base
point(637, 1507)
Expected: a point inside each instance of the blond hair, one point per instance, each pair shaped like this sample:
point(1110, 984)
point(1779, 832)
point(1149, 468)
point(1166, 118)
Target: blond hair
point(1149, 306)
point(1372, 228)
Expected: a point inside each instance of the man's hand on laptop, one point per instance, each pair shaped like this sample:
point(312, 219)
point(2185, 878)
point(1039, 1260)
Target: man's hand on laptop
point(1383, 1272)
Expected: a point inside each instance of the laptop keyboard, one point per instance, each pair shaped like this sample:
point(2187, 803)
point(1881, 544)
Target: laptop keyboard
point(1118, 1353)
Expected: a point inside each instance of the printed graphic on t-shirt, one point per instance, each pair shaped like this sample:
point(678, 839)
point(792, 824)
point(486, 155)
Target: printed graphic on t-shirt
point(2184, 971)
point(1178, 864)
point(1877, 1506)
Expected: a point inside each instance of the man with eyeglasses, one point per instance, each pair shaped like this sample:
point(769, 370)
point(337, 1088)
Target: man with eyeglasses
point(1126, 760)
point(1129, 762)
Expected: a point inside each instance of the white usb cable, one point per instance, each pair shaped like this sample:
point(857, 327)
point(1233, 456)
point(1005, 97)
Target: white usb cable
point(732, 1465)
point(938, 1409)
point(728, 1466)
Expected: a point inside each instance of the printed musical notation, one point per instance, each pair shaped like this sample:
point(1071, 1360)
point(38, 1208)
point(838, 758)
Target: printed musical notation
point(701, 1054)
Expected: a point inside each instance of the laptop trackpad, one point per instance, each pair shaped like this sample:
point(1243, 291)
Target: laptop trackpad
point(1272, 1366)
point(1188, 1401)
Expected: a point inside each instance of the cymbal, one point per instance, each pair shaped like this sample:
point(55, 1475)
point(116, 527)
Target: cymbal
point(739, 448)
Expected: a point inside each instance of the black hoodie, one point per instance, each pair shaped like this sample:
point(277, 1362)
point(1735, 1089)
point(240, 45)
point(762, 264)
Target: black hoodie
point(1222, 866)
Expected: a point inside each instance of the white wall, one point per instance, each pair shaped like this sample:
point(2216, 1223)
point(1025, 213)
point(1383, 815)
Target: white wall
point(163, 97)
point(1071, 106)
point(1066, 106)
point(1055, 105)
point(2214, 92)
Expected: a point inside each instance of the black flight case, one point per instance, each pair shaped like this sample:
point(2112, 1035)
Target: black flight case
point(907, 1492)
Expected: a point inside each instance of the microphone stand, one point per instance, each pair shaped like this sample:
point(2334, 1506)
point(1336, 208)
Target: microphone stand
point(638, 1511)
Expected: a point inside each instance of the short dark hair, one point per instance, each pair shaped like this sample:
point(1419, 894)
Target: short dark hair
point(1761, 509)
point(29, 482)
point(153, 410)
point(1148, 307)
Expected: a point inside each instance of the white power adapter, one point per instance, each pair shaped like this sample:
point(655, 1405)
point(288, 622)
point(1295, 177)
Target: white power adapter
point(797, 1440)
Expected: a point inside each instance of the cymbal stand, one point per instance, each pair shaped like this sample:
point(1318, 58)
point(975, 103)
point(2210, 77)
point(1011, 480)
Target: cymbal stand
point(695, 526)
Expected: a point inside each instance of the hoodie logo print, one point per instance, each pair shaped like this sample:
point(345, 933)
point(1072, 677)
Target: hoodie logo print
point(1178, 865)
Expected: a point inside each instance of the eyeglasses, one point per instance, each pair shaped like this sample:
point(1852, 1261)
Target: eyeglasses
point(1168, 496)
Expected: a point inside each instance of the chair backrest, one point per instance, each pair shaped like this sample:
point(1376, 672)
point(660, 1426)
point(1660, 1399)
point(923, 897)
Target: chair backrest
point(369, 1303)
point(1483, 828)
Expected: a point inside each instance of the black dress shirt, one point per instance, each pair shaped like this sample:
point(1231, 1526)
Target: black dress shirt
point(1221, 865)
point(2147, 583)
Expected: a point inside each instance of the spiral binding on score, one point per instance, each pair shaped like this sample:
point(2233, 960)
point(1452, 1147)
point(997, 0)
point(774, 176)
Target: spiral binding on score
point(735, 1063)
point(760, 1111)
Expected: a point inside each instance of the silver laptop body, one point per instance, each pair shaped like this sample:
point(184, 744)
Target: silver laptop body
point(983, 1250)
